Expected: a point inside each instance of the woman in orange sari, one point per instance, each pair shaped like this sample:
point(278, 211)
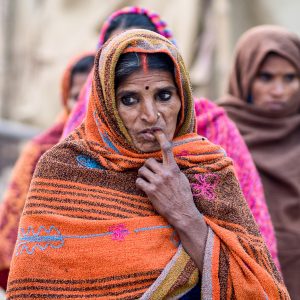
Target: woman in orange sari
point(15, 196)
point(134, 204)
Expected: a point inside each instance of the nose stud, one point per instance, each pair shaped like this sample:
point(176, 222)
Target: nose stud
point(158, 115)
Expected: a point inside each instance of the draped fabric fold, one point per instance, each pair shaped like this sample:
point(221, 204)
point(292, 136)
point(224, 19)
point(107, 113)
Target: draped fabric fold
point(88, 232)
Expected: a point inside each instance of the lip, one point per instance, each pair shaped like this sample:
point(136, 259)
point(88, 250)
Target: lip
point(151, 130)
point(275, 104)
point(148, 133)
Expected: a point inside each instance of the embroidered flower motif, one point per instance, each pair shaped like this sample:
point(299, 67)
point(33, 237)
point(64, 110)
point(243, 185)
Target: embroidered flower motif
point(118, 232)
point(206, 186)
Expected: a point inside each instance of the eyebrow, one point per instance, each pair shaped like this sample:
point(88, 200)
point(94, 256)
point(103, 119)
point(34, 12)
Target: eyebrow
point(272, 73)
point(168, 87)
point(125, 92)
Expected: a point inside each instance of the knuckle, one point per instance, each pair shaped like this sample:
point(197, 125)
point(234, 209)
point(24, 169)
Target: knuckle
point(141, 170)
point(167, 175)
point(149, 160)
point(175, 169)
point(166, 146)
point(152, 189)
point(157, 180)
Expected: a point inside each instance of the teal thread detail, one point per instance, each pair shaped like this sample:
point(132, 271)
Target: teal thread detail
point(88, 162)
point(88, 236)
point(175, 239)
point(152, 228)
point(29, 241)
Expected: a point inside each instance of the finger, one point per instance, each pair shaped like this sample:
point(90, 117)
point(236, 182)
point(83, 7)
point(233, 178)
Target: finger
point(166, 148)
point(147, 174)
point(143, 185)
point(153, 165)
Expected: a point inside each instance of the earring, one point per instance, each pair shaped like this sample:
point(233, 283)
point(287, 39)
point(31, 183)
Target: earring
point(158, 115)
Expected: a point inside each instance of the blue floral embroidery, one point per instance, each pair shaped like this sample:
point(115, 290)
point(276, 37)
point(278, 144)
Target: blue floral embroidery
point(88, 162)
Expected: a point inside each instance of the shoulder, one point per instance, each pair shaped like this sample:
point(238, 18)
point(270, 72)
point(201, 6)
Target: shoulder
point(68, 160)
point(211, 117)
point(203, 105)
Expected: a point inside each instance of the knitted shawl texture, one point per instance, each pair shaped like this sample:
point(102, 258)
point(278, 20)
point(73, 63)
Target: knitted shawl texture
point(88, 232)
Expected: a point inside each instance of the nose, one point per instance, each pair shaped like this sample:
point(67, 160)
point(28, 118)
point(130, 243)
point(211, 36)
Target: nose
point(278, 89)
point(149, 111)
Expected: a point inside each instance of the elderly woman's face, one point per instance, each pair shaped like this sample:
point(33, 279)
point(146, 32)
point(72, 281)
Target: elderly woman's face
point(148, 102)
point(276, 82)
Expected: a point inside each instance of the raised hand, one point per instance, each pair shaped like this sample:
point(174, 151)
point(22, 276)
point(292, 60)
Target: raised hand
point(166, 186)
point(170, 193)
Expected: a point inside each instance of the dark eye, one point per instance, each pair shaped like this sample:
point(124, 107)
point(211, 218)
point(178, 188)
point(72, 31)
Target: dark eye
point(290, 77)
point(265, 77)
point(164, 95)
point(129, 100)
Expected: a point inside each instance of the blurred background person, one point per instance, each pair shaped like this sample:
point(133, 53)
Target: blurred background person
point(264, 101)
point(13, 202)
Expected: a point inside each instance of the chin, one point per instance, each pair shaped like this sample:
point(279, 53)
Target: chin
point(276, 106)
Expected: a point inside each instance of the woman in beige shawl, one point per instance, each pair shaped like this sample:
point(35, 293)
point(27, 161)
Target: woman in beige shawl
point(264, 101)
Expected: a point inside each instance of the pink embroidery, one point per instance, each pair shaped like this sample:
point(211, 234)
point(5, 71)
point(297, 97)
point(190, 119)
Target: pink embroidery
point(206, 186)
point(184, 153)
point(118, 232)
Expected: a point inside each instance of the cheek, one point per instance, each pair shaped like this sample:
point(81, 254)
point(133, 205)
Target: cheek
point(259, 90)
point(173, 112)
point(127, 116)
point(294, 88)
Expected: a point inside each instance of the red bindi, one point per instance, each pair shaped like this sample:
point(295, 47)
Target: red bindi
point(144, 62)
